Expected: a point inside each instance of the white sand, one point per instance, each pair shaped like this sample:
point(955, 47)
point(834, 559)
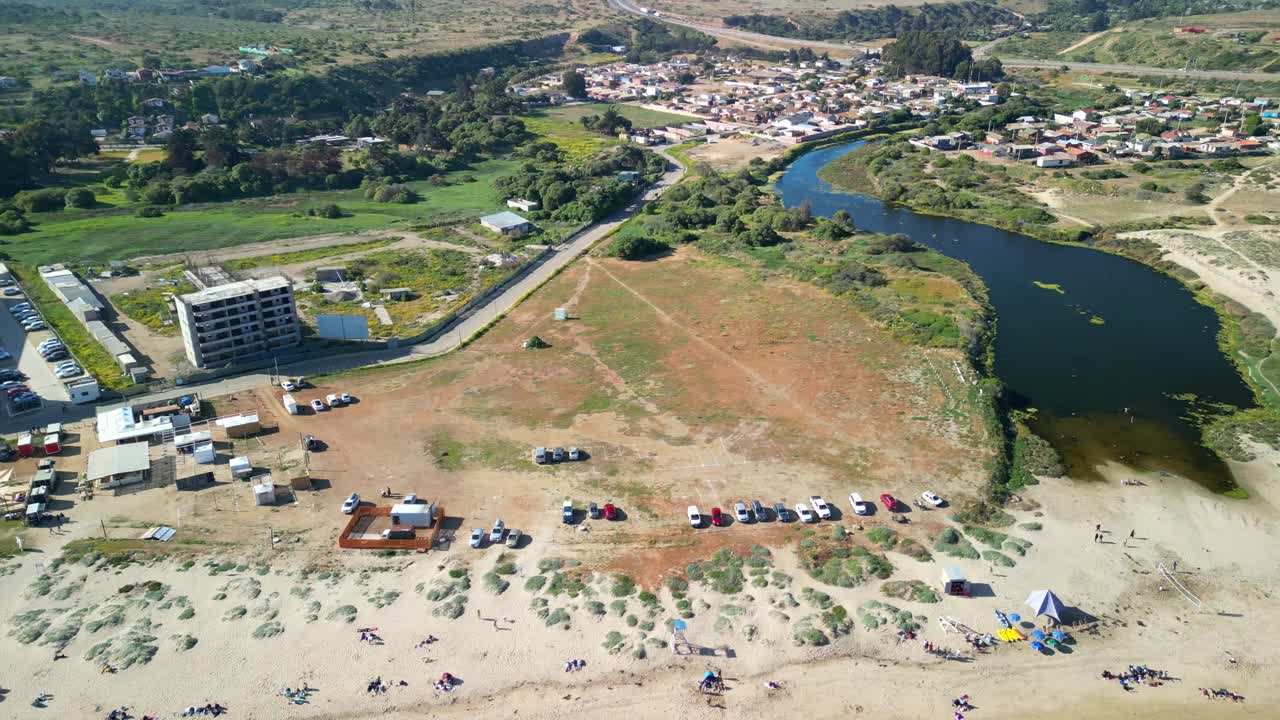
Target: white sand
point(1225, 548)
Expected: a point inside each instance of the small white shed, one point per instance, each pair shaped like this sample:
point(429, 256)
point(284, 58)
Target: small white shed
point(264, 494)
point(241, 467)
point(205, 453)
point(417, 515)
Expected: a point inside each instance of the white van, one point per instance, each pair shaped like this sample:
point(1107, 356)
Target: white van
point(334, 400)
point(860, 506)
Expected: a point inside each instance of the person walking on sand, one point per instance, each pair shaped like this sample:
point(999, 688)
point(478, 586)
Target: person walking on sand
point(1131, 532)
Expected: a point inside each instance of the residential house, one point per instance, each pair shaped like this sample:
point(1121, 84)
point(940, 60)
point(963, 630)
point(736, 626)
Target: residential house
point(1215, 148)
point(155, 104)
point(1055, 161)
point(1082, 155)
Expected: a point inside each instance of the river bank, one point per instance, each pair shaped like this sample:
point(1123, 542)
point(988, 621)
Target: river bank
point(1245, 313)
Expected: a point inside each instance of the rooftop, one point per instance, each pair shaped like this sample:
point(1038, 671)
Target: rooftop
point(118, 460)
point(504, 219)
point(235, 289)
point(118, 424)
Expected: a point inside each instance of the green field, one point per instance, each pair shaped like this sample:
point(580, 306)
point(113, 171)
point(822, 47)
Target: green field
point(563, 125)
point(117, 234)
point(1155, 43)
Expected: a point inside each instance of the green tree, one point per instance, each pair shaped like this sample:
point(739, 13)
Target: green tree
point(1252, 125)
point(573, 84)
point(79, 198)
point(180, 152)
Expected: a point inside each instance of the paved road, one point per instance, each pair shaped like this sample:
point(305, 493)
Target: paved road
point(462, 330)
point(774, 41)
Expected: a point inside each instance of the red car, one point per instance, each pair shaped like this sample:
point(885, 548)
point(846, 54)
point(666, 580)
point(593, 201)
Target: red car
point(717, 517)
point(610, 512)
point(889, 502)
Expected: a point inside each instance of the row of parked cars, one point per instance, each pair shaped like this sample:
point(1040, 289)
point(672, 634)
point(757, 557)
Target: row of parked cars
point(13, 384)
point(27, 316)
point(817, 508)
point(542, 455)
point(497, 535)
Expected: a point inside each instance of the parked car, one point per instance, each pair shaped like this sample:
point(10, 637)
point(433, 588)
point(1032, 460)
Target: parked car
point(11, 291)
point(317, 405)
point(411, 499)
point(477, 537)
point(288, 386)
point(695, 517)
point(758, 508)
point(513, 538)
point(49, 341)
point(56, 356)
point(805, 514)
point(593, 511)
point(346, 398)
point(740, 512)
point(575, 454)
point(34, 327)
point(499, 529)
point(309, 442)
point(15, 309)
point(610, 511)
point(12, 374)
point(820, 506)
point(781, 512)
point(566, 512)
point(10, 384)
point(14, 392)
point(889, 502)
point(334, 400)
point(5, 354)
point(68, 373)
point(932, 499)
point(717, 517)
point(860, 506)
point(558, 454)
point(540, 455)
point(350, 504)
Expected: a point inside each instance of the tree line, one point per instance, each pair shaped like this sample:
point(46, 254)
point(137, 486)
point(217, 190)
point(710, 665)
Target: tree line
point(971, 19)
point(936, 53)
point(578, 192)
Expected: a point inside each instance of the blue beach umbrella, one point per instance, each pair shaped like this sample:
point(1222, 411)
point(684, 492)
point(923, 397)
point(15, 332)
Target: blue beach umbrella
point(1037, 646)
point(1039, 634)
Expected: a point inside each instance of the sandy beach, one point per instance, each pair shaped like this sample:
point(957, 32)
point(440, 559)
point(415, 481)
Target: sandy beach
point(511, 662)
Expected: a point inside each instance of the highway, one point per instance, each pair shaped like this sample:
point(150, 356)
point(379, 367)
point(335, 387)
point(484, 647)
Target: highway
point(783, 43)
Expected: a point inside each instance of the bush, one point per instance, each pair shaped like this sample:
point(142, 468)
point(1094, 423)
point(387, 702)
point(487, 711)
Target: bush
point(13, 222)
point(149, 212)
point(631, 246)
point(998, 558)
point(79, 198)
point(535, 583)
point(623, 586)
point(330, 212)
point(40, 200)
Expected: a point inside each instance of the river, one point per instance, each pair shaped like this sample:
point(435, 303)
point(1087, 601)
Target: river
point(1108, 361)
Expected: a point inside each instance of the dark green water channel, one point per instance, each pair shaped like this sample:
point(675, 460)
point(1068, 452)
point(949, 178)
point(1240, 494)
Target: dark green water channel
point(1103, 391)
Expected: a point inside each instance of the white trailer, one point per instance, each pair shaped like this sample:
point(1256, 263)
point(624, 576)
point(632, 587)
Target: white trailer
point(413, 514)
point(290, 405)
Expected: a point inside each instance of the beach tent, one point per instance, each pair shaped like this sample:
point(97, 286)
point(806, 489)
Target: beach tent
point(1044, 602)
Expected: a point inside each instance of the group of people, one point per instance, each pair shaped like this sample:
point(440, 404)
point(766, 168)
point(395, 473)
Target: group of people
point(1137, 674)
point(445, 683)
point(297, 697)
point(426, 641)
point(1221, 694)
point(369, 635)
point(376, 686)
point(208, 709)
point(571, 665)
point(961, 705)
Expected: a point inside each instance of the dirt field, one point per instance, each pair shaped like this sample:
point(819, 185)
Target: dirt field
point(705, 390)
point(734, 152)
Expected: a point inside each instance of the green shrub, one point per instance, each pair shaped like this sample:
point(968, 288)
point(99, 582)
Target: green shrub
point(149, 211)
point(882, 536)
point(996, 558)
point(535, 583)
point(79, 198)
point(622, 586)
point(1032, 526)
point(47, 200)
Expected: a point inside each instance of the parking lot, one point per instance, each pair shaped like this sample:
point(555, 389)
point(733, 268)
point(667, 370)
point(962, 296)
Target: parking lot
point(22, 345)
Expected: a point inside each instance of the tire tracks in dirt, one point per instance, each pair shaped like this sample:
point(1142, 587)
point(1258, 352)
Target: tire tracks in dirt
point(774, 391)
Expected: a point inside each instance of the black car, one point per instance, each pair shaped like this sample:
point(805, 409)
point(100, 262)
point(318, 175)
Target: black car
point(309, 442)
point(594, 511)
point(10, 374)
point(7, 453)
point(780, 509)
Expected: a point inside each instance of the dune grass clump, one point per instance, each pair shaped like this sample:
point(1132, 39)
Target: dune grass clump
point(535, 583)
point(986, 537)
point(951, 543)
point(560, 617)
point(998, 558)
point(910, 590)
point(183, 642)
point(111, 617)
point(235, 613)
point(613, 641)
point(342, 613)
point(268, 629)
